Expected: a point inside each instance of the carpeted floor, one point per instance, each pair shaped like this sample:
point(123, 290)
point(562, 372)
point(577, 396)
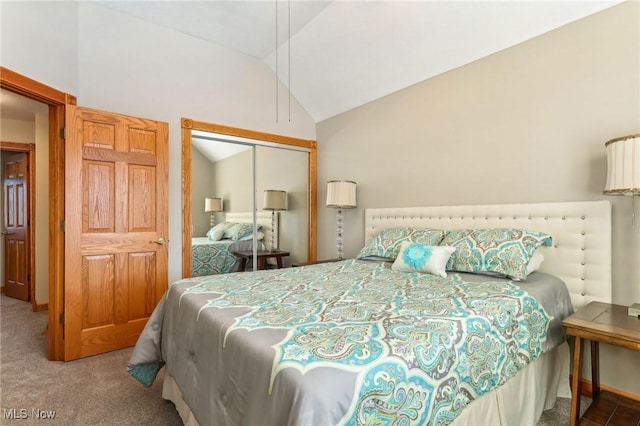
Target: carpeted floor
point(95, 390)
point(91, 391)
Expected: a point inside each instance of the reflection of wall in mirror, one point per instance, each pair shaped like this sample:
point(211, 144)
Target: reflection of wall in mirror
point(286, 170)
point(201, 188)
point(279, 169)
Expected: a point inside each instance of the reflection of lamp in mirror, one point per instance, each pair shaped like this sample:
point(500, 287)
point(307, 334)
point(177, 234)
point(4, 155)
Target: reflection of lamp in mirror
point(274, 200)
point(213, 205)
point(341, 194)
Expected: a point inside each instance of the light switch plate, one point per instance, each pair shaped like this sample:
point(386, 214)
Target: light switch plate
point(634, 310)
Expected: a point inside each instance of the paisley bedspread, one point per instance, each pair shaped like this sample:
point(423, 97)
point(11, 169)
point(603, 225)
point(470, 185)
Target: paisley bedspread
point(339, 343)
point(215, 257)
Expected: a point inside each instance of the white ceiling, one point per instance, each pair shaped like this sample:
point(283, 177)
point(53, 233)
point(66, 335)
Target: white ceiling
point(216, 150)
point(346, 53)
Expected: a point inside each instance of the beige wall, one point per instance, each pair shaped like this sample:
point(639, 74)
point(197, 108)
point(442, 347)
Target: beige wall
point(34, 131)
point(527, 124)
point(233, 181)
point(201, 188)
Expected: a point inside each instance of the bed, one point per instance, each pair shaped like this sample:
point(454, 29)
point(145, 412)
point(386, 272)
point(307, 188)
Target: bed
point(344, 342)
point(210, 257)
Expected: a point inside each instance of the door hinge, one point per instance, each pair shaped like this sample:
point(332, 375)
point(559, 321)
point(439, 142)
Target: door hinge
point(63, 133)
point(62, 225)
point(62, 318)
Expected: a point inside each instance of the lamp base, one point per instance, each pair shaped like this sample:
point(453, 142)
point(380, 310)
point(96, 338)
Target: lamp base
point(272, 248)
point(339, 223)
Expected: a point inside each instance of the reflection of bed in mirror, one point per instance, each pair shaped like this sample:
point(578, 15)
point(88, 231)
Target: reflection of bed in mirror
point(214, 166)
point(211, 257)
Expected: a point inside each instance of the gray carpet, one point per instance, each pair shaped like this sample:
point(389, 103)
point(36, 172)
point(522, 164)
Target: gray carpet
point(95, 390)
point(91, 391)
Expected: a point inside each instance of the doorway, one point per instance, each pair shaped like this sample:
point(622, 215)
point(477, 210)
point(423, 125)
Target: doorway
point(55, 102)
point(17, 250)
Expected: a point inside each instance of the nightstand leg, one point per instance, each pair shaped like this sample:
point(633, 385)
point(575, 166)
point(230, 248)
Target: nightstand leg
point(243, 264)
point(595, 369)
point(575, 382)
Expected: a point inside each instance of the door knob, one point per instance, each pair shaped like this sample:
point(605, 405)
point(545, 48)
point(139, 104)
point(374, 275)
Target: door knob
point(5, 232)
point(160, 241)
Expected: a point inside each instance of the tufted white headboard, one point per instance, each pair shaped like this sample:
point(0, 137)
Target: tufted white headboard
point(581, 231)
point(262, 218)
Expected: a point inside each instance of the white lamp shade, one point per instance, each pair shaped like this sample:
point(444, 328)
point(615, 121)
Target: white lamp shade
point(213, 204)
point(274, 200)
point(341, 194)
point(623, 166)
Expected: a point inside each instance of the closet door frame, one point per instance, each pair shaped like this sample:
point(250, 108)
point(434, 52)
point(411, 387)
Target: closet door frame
point(189, 125)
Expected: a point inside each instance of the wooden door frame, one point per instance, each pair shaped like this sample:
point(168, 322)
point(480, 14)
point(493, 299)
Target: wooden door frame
point(57, 101)
point(30, 150)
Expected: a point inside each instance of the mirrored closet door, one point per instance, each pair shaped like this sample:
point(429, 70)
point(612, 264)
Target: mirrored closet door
point(247, 196)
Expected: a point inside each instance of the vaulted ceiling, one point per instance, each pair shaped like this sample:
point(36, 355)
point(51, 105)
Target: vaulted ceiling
point(343, 54)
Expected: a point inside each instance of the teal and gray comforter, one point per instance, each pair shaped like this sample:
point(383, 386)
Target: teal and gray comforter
point(216, 257)
point(349, 342)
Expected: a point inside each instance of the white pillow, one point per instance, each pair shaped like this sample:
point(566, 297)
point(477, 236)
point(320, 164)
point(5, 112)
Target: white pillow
point(535, 262)
point(414, 257)
point(217, 232)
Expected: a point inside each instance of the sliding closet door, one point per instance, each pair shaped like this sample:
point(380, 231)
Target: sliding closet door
point(287, 170)
point(224, 170)
point(264, 162)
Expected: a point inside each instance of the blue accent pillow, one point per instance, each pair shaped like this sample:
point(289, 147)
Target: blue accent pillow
point(387, 243)
point(504, 251)
point(415, 257)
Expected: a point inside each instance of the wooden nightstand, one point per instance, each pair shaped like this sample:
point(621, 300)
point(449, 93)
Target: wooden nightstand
point(263, 255)
point(598, 322)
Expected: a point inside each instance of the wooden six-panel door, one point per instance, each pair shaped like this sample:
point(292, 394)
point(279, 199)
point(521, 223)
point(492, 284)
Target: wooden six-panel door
point(15, 227)
point(116, 227)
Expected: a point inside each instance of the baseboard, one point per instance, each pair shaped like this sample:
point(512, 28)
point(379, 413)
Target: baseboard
point(585, 388)
point(43, 307)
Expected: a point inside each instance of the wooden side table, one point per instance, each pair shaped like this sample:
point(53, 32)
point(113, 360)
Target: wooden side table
point(598, 322)
point(263, 255)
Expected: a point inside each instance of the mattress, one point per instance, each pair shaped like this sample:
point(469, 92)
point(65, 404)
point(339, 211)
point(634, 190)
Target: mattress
point(348, 342)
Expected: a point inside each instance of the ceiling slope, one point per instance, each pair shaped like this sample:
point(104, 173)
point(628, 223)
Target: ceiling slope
point(343, 54)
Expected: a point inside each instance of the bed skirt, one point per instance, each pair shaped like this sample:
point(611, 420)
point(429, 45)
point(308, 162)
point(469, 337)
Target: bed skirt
point(520, 401)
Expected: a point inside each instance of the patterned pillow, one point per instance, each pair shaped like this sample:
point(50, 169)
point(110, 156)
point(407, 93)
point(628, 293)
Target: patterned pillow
point(387, 243)
point(217, 232)
point(420, 258)
point(502, 250)
point(249, 236)
point(238, 231)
